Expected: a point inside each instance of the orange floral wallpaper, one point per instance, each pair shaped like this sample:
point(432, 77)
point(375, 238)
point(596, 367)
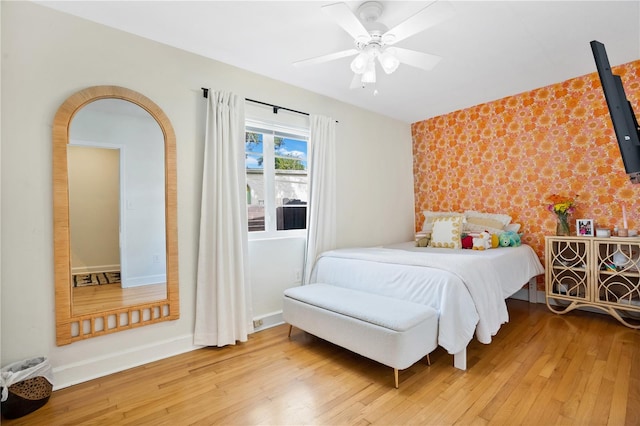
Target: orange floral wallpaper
point(509, 155)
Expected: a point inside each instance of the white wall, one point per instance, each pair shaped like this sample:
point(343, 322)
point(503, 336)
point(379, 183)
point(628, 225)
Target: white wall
point(46, 57)
point(94, 208)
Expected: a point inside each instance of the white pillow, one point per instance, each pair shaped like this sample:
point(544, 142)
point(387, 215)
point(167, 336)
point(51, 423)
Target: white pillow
point(430, 216)
point(515, 227)
point(446, 232)
point(493, 222)
point(470, 228)
point(504, 219)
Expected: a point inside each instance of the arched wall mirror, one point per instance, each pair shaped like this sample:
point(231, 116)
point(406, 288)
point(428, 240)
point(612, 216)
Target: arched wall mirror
point(114, 207)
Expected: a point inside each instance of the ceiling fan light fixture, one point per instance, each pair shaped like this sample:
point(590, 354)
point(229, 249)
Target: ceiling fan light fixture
point(359, 63)
point(374, 40)
point(388, 61)
point(369, 75)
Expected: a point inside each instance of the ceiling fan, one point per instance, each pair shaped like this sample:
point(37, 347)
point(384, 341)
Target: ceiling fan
point(374, 41)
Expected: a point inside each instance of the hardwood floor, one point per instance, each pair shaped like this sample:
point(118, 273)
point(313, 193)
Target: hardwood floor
point(542, 369)
point(96, 298)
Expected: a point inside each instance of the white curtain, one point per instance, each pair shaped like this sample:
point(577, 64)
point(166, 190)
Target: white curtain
point(321, 225)
point(223, 314)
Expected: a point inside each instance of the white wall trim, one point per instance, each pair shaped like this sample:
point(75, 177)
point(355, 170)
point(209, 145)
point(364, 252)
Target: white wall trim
point(94, 269)
point(145, 280)
point(114, 362)
point(522, 294)
point(529, 296)
point(269, 320)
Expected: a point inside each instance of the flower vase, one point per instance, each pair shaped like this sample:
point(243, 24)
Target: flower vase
point(562, 226)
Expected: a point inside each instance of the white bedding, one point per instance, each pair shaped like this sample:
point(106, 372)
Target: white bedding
point(466, 287)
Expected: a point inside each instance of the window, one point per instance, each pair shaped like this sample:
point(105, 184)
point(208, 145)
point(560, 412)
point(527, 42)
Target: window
point(276, 167)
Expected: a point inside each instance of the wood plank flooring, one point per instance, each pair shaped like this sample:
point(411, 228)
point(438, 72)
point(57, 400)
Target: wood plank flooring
point(541, 369)
point(97, 298)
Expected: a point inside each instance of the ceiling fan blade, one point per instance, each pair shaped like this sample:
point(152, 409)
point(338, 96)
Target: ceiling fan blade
point(349, 22)
point(416, 59)
point(433, 14)
point(326, 58)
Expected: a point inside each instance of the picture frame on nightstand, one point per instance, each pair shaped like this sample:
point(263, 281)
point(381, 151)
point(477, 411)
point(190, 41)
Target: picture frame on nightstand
point(585, 228)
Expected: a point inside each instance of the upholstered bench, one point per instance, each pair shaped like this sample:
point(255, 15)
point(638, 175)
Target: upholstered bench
point(393, 332)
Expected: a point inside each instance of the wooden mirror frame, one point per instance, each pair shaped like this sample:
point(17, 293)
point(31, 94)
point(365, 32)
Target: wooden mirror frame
point(70, 327)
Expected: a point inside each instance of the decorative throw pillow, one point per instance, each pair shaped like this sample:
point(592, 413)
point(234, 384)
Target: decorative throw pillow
point(447, 232)
point(504, 219)
point(492, 222)
point(477, 228)
point(430, 216)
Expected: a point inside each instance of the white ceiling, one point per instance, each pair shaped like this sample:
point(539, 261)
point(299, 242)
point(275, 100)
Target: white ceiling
point(490, 49)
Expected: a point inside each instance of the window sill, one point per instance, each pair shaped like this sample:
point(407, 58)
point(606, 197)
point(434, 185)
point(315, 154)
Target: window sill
point(277, 235)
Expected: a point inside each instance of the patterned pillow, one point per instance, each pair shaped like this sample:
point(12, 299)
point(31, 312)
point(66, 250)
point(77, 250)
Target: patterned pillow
point(430, 216)
point(492, 222)
point(446, 232)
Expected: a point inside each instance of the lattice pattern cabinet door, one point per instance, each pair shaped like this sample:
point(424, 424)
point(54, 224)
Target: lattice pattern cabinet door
point(567, 272)
point(617, 280)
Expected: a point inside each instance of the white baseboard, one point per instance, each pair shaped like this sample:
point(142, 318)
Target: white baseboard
point(92, 368)
point(145, 280)
point(523, 294)
point(268, 320)
point(94, 269)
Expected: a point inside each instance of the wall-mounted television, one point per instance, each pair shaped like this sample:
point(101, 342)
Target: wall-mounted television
point(623, 118)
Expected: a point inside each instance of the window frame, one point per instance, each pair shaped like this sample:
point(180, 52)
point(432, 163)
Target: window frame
point(270, 130)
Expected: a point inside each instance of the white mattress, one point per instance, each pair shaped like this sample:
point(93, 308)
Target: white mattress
point(466, 287)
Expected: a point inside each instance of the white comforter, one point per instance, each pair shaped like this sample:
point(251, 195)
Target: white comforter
point(467, 287)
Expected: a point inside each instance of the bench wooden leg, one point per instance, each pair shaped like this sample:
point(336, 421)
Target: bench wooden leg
point(395, 371)
point(290, 328)
point(427, 358)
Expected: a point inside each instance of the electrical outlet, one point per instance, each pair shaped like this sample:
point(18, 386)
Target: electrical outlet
point(297, 275)
point(155, 258)
point(257, 323)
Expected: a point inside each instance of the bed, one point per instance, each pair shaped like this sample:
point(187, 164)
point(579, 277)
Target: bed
point(468, 288)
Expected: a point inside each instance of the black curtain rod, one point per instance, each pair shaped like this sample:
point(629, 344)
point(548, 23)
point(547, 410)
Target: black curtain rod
point(205, 93)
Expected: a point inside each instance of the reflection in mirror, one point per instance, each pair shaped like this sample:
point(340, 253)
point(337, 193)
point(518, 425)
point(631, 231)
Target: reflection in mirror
point(116, 207)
